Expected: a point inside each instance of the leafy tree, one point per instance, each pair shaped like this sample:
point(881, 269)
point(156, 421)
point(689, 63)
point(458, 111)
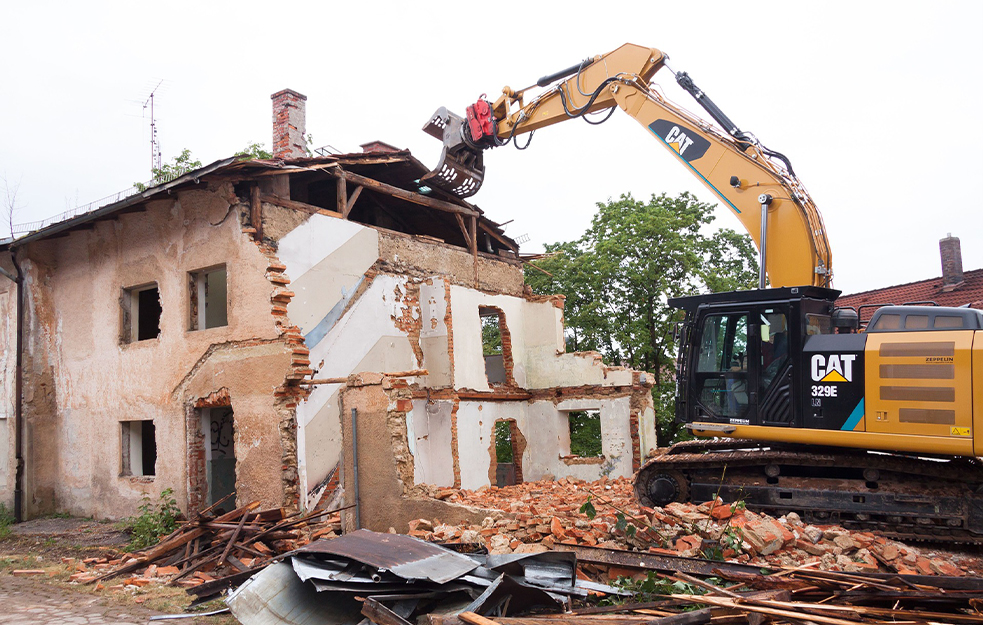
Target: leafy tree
point(491, 336)
point(503, 442)
point(585, 433)
point(253, 151)
point(178, 166)
point(618, 275)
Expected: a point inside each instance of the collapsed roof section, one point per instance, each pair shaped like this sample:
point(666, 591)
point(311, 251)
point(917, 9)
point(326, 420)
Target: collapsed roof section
point(379, 189)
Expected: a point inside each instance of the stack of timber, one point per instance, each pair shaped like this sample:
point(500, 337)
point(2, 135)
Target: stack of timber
point(220, 550)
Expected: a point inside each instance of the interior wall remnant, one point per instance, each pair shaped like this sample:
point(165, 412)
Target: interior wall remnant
point(430, 439)
point(387, 498)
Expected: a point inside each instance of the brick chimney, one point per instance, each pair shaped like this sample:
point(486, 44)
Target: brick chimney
point(378, 146)
point(289, 124)
point(952, 263)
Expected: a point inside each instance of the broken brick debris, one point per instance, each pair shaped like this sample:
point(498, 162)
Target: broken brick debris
point(547, 513)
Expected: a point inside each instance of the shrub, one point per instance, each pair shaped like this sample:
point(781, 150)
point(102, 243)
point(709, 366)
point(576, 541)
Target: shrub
point(154, 521)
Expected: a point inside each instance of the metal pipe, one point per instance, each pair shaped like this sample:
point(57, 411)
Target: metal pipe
point(358, 510)
point(765, 200)
point(18, 395)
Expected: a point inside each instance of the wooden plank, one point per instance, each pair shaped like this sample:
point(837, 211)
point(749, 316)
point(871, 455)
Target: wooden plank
point(256, 212)
point(232, 541)
point(351, 201)
point(474, 247)
point(342, 193)
point(743, 607)
point(476, 619)
point(300, 206)
point(403, 194)
point(464, 229)
point(395, 374)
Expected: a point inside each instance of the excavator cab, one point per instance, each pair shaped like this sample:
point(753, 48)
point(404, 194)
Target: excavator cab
point(740, 354)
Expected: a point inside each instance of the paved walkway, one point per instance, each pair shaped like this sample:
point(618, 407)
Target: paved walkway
point(26, 602)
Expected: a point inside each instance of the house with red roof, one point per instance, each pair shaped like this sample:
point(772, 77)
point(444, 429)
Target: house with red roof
point(954, 288)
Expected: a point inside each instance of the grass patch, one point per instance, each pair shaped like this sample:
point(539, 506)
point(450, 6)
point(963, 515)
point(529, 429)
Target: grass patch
point(6, 520)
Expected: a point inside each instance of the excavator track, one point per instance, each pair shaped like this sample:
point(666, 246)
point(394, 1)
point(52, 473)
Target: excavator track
point(900, 496)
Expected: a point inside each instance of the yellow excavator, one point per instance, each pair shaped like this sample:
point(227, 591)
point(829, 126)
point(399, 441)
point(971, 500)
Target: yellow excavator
point(794, 408)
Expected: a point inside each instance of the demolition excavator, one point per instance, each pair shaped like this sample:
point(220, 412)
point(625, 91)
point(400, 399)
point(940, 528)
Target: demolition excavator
point(793, 406)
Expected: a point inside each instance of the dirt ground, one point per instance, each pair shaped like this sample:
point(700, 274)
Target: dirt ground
point(50, 544)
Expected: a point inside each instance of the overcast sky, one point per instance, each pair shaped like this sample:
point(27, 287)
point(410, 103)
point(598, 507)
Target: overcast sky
point(877, 104)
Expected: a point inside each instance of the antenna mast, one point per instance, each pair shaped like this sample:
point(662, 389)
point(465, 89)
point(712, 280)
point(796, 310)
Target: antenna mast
point(155, 152)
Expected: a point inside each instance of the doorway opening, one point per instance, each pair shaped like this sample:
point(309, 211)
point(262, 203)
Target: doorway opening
point(218, 427)
point(508, 444)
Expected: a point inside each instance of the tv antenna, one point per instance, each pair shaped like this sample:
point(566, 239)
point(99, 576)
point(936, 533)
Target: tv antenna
point(155, 156)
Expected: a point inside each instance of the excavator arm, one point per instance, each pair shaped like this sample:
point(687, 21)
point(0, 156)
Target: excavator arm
point(758, 185)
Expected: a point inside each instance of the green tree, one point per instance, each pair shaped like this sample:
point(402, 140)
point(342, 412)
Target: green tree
point(253, 151)
point(619, 274)
point(178, 166)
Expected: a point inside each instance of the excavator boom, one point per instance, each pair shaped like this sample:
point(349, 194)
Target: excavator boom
point(758, 185)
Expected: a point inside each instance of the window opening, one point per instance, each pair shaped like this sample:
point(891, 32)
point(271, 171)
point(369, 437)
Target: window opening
point(138, 448)
point(585, 433)
point(141, 313)
point(209, 296)
point(492, 347)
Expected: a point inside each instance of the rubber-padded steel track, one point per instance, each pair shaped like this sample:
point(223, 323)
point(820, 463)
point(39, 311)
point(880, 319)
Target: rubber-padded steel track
point(906, 497)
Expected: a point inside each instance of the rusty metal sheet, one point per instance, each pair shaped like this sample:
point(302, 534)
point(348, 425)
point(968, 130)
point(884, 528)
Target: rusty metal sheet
point(405, 556)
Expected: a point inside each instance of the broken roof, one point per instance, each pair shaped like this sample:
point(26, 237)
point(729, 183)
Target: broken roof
point(382, 189)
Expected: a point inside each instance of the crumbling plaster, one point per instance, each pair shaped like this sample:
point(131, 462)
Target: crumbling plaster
point(8, 372)
point(82, 380)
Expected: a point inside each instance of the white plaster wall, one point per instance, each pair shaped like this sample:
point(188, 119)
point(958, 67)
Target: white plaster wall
point(546, 430)
point(428, 429)
point(469, 364)
point(475, 423)
point(537, 345)
point(552, 436)
point(433, 333)
point(364, 339)
point(326, 258)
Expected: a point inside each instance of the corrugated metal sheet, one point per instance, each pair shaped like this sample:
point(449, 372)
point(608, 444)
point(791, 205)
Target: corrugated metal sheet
point(405, 556)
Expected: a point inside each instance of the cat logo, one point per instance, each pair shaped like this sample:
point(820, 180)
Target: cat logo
point(687, 143)
point(833, 368)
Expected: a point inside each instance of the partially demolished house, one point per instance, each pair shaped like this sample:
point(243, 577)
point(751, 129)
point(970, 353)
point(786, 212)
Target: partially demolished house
point(230, 331)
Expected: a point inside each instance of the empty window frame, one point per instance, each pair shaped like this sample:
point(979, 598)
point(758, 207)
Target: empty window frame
point(138, 448)
point(585, 433)
point(141, 313)
point(492, 345)
point(209, 297)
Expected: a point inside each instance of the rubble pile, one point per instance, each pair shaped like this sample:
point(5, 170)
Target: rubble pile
point(548, 513)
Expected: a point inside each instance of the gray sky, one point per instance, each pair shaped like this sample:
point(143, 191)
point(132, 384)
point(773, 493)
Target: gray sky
point(877, 104)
